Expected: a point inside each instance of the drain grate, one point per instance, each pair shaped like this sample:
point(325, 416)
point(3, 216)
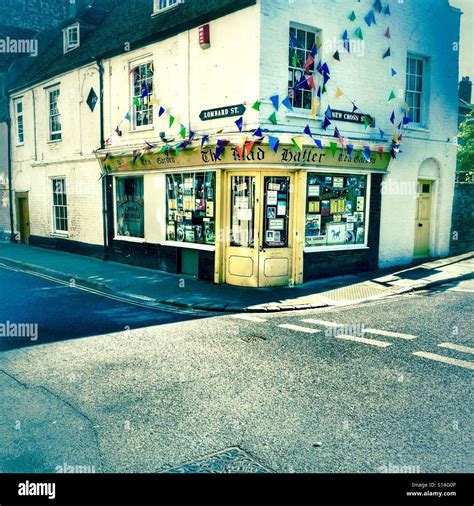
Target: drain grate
point(231, 460)
point(356, 292)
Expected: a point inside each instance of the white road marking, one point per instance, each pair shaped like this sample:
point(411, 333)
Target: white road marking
point(322, 322)
point(457, 347)
point(363, 340)
point(250, 318)
point(298, 328)
point(389, 334)
point(446, 360)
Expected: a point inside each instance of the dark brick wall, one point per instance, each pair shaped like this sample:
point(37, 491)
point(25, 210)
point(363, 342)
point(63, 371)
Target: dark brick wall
point(335, 263)
point(56, 243)
point(35, 14)
point(462, 232)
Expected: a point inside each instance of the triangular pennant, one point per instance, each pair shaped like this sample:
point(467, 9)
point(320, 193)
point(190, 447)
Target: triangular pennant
point(367, 122)
point(354, 107)
point(258, 132)
point(118, 131)
point(274, 143)
point(380, 150)
point(387, 10)
point(394, 72)
point(307, 131)
point(294, 60)
point(333, 146)
point(204, 139)
point(358, 33)
point(309, 62)
point(249, 146)
point(392, 96)
point(370, 18)
point(127, 116)
point(407, 108)
point(219, 151)
point(338, 92)
point(378, 6)
point(336, 133)
point(256, 106)
point(164, 149)
point(366, 153)
point(387, 54)
point(326, 123)
point(336, 56)
point(387, 33)
point(240, 123)
point(136, 102)
point(318, 143)
point(328, 112)
point(314, 51)
point(392, 118)
point(272, 118)
point(222, 143)
point(310, 81)
point(287, 103)
point(182, 131)
point(352, 16)
point(161, 112)
point(297, 143)
point(350, 149)
point(382, 133)
point(325, 69)
point(406, 120)
point(314, 107)
point(171, 120)
point(240, 151)
point(134, 156)
point(275, 99)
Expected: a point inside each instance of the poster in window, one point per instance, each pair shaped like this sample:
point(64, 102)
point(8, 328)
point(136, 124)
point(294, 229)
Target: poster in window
point(277, 236)
point(341, 205)
point(180, 233)
point(313, 228)
point(360, 235)
point(209, 232)
point(188, 215)
point(271, 212)
point(360, 204)
point(313, 207)
point(350, 236)
point(189, 233)
point(336, 233)
point(209, 209)
point(243, 214)
point(281, 208)
point(172, 204)
point(277, 224)
point(170, 232)
point(348, 207)
point(188, 203)
point(337, 218)
point(314, 190)
point(274, 186)
point(359, 217)
point(328, 180)
point(325, 208)
point(272, 198)
point(270, 236)
point(334, 206)
point(241, 202)
point(349, 226)
point(338, 182)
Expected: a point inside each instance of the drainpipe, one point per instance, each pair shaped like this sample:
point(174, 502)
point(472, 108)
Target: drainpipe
point(9, 163)
point(102, 146)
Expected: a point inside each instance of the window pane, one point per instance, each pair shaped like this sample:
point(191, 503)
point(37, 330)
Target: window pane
point(130, 206)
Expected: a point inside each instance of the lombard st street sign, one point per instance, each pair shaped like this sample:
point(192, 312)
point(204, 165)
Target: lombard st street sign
point(223, 112)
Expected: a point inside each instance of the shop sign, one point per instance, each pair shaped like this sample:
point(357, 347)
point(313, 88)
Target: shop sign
point(286, 157)
point(223, 112)
point(351, 117)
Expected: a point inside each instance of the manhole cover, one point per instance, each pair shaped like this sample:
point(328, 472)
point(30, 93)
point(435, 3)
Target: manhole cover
point(356, 292)
point(232, 460)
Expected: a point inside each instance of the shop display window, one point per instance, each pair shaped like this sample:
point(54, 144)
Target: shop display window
point(190, 207)
point(130, 206)
point(336, 209)
point(276, 218)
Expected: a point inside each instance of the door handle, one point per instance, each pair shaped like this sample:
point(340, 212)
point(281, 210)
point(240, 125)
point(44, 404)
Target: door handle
point(420, 224)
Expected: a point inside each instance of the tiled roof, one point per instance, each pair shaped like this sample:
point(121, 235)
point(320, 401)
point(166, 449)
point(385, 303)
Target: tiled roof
point(125, 21)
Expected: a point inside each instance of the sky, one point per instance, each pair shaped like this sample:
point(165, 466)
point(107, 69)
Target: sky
point(466, 61)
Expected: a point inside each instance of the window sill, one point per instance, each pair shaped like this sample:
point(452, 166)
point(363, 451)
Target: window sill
point(129, 238)
point(303, 115)
point(20, 144)
point(338, 247)
point(62, 235)
point(190, 245)
point(416, 128)
point(141, 129)
point(54, 141)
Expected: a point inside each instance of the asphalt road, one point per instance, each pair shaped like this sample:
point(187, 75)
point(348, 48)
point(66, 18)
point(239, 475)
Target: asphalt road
point(112, 385)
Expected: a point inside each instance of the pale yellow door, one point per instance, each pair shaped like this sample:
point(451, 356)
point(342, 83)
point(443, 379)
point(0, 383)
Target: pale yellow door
point(258, 239)
point(422, 219)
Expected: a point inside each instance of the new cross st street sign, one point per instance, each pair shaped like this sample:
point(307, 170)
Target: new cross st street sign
point(223, 112)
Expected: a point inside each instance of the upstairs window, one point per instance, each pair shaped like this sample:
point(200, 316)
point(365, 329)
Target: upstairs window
point(19, 121)
point(54, 115)
point(163, 5)
point(302, 45)
point(142, 94)
point(71, 37)
point(416, 89)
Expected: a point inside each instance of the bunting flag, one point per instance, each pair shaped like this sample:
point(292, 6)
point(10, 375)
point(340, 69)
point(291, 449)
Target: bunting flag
point(325, 69)
point(370, 18)
point(258, 132)
point(136, 102)
point(297, 143)
point(219, 151)
point(287, 103)
point(367, 122)
point(144, 90)
point(191, 135)
point(380, 150)
point(336, 56)
point(392, 118)
point(222, 143)
point(406, 120)
point(309, 62)
point(256, 106)
point(118, 132)
point(333, 146)
point(318, 143)
point(134, 156)
point(358, 33)
point(295, 61)
point(249, 146)
point(378, 6)
point(240, 151)
point(161, 112)
point(387, 54)
point(204, 139)
point(294, 42)
point(387, 10)
point(127, 116)
point(314, 50)
point(274, 143)
point(314, 107)
point(350, 149)
point(272, 118)
point(171, 120)
point(326, 123)
point(345, 38)
point(392, 96)
point(307, 131)
point(240, 123)
point(338, 92)
point(328, 112)
point(275, 101)
point(337, 133)
point(182, 131)
point(354, 107)
point(387, 33)
point(407, 108)
point(382, 133)
point(164, 149)
point(310, 82)
point(352, 16)
point(366, 153)
point(394, 72)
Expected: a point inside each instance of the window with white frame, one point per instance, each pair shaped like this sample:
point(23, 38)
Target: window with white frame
point(163, 5)
point(130, 206)
point(20, 138)
point(59, 205)
point(302, 45)
point(142, 94)
point(416, 91)
point(54, 115)
point(71, 37)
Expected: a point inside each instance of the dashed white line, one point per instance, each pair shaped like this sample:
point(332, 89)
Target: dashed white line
point(249, 318)
point(363, 340)
point(446, 360)
point(457, 347)
point(298, 328)
point(322, 322)
point(389, 333)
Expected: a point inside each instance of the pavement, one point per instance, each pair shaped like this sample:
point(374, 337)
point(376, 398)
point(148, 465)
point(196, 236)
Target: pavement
point(157, 287)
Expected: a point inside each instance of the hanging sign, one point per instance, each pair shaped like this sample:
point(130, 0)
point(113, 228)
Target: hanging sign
point(351, 117)
point(223, 112)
